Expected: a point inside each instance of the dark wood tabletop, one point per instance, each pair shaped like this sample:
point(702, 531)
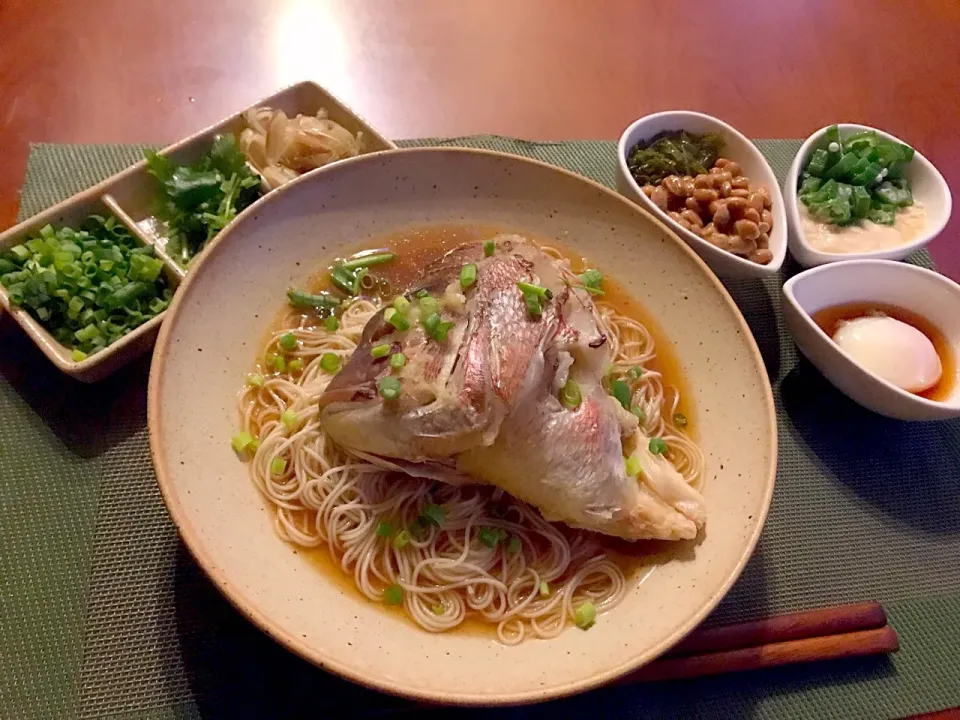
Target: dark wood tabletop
point(157, 70)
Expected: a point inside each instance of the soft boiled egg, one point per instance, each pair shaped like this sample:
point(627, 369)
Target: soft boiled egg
point(894, 350)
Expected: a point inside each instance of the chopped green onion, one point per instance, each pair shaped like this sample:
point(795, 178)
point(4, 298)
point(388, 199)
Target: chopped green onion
point(289, 419)
point(570, 396)
point(531, 288)
point(330, 362)
point(78, 355)
point(332, 324)
point(398, 360)
point(433, 515)
point(592, 281)
point(680, 420)
point(278, 361)
point(393, 595)
point(255, 380)
point(436, 328)
point(488, 248)
point(368, 260)
point(635, 373)
point(295, 365)
point(657, 446)
point(401, 304)
point(513, 547)
point(533, 303)
point(241, 441)
point(422, 293)
point(389, 313)
point(389, 388)
point(585, 615)
point(401, 539)
point(254, 446)
point(632, 464)
point(384, 529)
point(322, 302)
point(380, 351)
point(638, 411)
point(398, 320)
point(468, 275)
point(429, 304)
point(438, 609)
point(544, 589)
point(288, 341)
point(277, 465)
point(621, 391)
point(491, 536)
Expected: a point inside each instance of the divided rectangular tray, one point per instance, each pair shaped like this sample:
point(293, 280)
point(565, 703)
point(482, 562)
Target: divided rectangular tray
point(129, 195)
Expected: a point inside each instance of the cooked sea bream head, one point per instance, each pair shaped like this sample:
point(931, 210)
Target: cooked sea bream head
point(477, 399)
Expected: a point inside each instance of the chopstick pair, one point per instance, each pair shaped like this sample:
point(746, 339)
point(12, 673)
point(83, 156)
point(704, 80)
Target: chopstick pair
point(844, 631)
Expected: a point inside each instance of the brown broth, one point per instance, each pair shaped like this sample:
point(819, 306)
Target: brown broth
point(418, 247)
point(829, 320)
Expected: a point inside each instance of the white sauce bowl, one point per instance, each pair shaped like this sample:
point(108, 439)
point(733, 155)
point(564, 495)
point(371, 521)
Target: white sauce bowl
point(928, 185)
point(921, 291)
point(737, 148)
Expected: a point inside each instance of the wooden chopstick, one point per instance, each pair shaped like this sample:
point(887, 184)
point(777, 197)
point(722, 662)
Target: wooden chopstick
point(831, 633)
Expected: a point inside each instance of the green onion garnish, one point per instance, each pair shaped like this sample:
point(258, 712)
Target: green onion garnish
point(277, 465)
point(488, 248)
point(544, 589)
point(398, 360)
point(592, 281)
point(638, 411)
point(635, 373)
point(438, 609)
point(621, 391)
point(279, 362)
point(255, 380)
point(585, 615)
point(384, 529)
point(295, 365)
point(570, 395)
point(401, 304)
point(422, 293)
point(632, 464)
point(531, 288)
point(513, 547)
point(533, 303)
point(380, 351)
point(429, 305)
point(433, 515)
point(288, 341)
point(401, 539)
point(680, 420)
point(241, 441)
point(368, 260)
point(78, 355)
point(393, 595)
point(389, 388)
point(491, 536)
point(657, 446)
point(436, 328)
point(468, 275)
point(289, 419)
point(331, 323)
point(398, 320)
point(330, 362)
point(323, 303)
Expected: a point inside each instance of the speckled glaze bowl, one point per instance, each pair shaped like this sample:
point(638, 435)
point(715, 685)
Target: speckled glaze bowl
point(219, 316)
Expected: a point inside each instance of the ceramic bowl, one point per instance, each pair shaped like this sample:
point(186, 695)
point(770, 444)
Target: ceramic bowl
point(738, 148)
point(921, 291)
point(219, 317)
point(928, 185)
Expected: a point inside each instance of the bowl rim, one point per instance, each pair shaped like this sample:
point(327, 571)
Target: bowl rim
point(895, 266)
point(895, 253)
point(249, 608)
point(746, 266)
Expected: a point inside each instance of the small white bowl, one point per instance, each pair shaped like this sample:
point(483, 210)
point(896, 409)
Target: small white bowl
point(737, 148)
point(921, 291)
point(927, 183)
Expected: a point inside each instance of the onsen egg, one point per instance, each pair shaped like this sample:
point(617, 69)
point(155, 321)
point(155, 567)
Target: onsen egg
point(894, 350)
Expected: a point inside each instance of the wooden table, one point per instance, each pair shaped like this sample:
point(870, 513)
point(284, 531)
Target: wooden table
point(156, 70)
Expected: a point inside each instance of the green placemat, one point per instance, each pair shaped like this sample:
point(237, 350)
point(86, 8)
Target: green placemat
point(104, 614)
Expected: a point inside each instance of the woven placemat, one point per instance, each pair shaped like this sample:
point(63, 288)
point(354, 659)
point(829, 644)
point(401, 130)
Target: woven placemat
point(104, 614)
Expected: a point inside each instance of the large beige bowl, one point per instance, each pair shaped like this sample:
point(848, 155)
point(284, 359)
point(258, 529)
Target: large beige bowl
point(218, 318)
